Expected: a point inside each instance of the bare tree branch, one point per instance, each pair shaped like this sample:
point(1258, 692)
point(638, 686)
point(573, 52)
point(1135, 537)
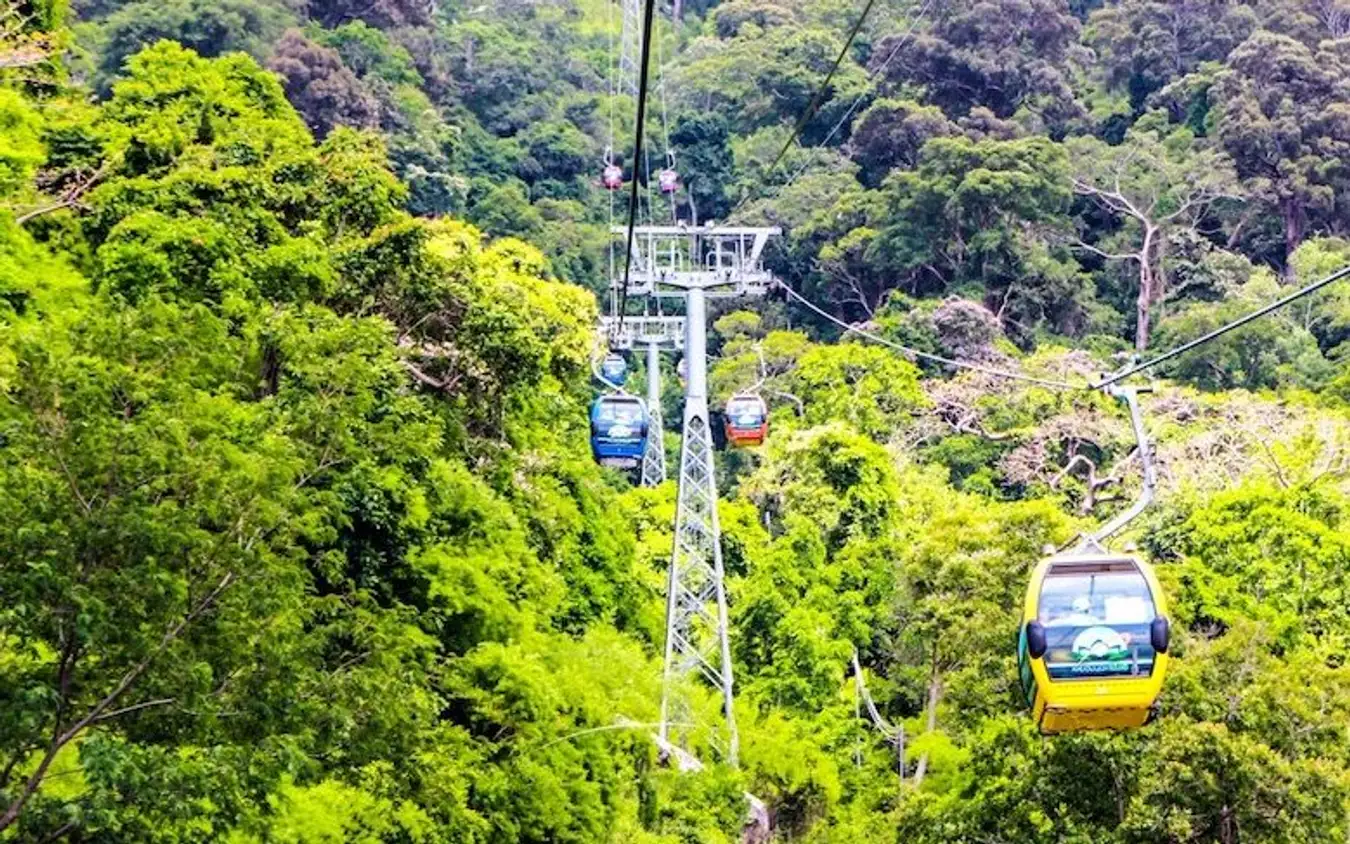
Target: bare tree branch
point(1112, 256)
point(108, 716)
point(99, 709)
point(69, 199)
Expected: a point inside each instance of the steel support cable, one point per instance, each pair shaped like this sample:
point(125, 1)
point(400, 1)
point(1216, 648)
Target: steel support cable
point(1222, 330)
point(974, 367)
point(880, 70)
point(817, 97)
point(647, 14)
point(613, 95)
point(665, 121)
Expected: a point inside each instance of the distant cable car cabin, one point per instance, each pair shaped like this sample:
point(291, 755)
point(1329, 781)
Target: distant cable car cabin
point(668, 179)
point(1093, 647)
point(619, 430)
point(747, 420)
point(612, 176)
point(614, 368)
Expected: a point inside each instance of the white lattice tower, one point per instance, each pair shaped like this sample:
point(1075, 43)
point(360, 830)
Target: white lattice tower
point(697, 635)
point(630, 47)
point(654, 458)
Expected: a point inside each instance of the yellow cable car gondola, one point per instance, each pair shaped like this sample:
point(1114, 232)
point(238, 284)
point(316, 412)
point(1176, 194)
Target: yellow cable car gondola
point(1093, 648)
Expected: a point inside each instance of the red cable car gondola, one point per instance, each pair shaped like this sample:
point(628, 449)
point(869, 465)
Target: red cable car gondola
point(747, 420)
point(668, 179)
point(612, 176)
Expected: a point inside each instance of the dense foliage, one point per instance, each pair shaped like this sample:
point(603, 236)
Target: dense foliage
point(300, 539)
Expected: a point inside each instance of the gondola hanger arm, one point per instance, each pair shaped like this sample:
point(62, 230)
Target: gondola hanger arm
point(1130, 395)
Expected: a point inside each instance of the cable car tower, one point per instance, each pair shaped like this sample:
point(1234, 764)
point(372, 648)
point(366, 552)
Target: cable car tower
point(692, 264)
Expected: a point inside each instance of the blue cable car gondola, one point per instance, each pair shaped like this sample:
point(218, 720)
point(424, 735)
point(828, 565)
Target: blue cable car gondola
point(619, 430)
point(614, 369)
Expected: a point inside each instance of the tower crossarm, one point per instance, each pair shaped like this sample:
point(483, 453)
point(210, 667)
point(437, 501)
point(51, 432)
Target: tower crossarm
point(724, 260)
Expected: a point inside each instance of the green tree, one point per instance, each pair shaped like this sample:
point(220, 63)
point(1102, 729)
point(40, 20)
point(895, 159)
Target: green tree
point(1004, 56)
point(705, 162)
point(969, 214)
point(1249, 358)
point(208, 28)
point(1280, 116)
point(1144, 45)
point(320, 86)
point(1161, 187)
point(890, 133)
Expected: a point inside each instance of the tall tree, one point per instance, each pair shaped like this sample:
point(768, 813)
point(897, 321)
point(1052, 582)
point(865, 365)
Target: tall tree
point(381, 13)
point(702, 145)
point(978, 213)
point(207, 27)
point(1160, 187)
point(1003, 55)
point(321, 87)
point(1142, 45)
point(1284, 118)
point(890, 134)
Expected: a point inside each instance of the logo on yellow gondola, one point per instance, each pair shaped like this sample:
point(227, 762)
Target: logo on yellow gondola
point(1098, 644)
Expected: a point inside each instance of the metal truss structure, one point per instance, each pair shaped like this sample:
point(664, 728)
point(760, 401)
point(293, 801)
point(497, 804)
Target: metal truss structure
point(691, 264)
point(654, 458)
point(678, 256)
point(630, 48)
point(697, 635)
point(655, 334)
point(667, 332)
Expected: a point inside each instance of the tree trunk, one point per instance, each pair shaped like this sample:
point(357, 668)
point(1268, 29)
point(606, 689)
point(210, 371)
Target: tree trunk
point(677, 11)
point(1148, 289)
point(934, 695)
point(1292, 212)
point(1228, 828)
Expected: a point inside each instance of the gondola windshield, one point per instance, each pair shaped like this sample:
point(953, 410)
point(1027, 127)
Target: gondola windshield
point(1097, 618)
point(619, 414)
point(746, 411)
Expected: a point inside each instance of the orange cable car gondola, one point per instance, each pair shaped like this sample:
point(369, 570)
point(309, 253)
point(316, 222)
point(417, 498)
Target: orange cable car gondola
point(747, 420)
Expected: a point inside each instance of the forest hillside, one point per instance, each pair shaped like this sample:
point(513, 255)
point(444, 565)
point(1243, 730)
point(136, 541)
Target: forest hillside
point(301, 538)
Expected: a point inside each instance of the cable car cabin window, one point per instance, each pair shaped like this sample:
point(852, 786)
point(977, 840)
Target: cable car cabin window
point(620, 413)
point(1096, 618)
point(749, 409)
